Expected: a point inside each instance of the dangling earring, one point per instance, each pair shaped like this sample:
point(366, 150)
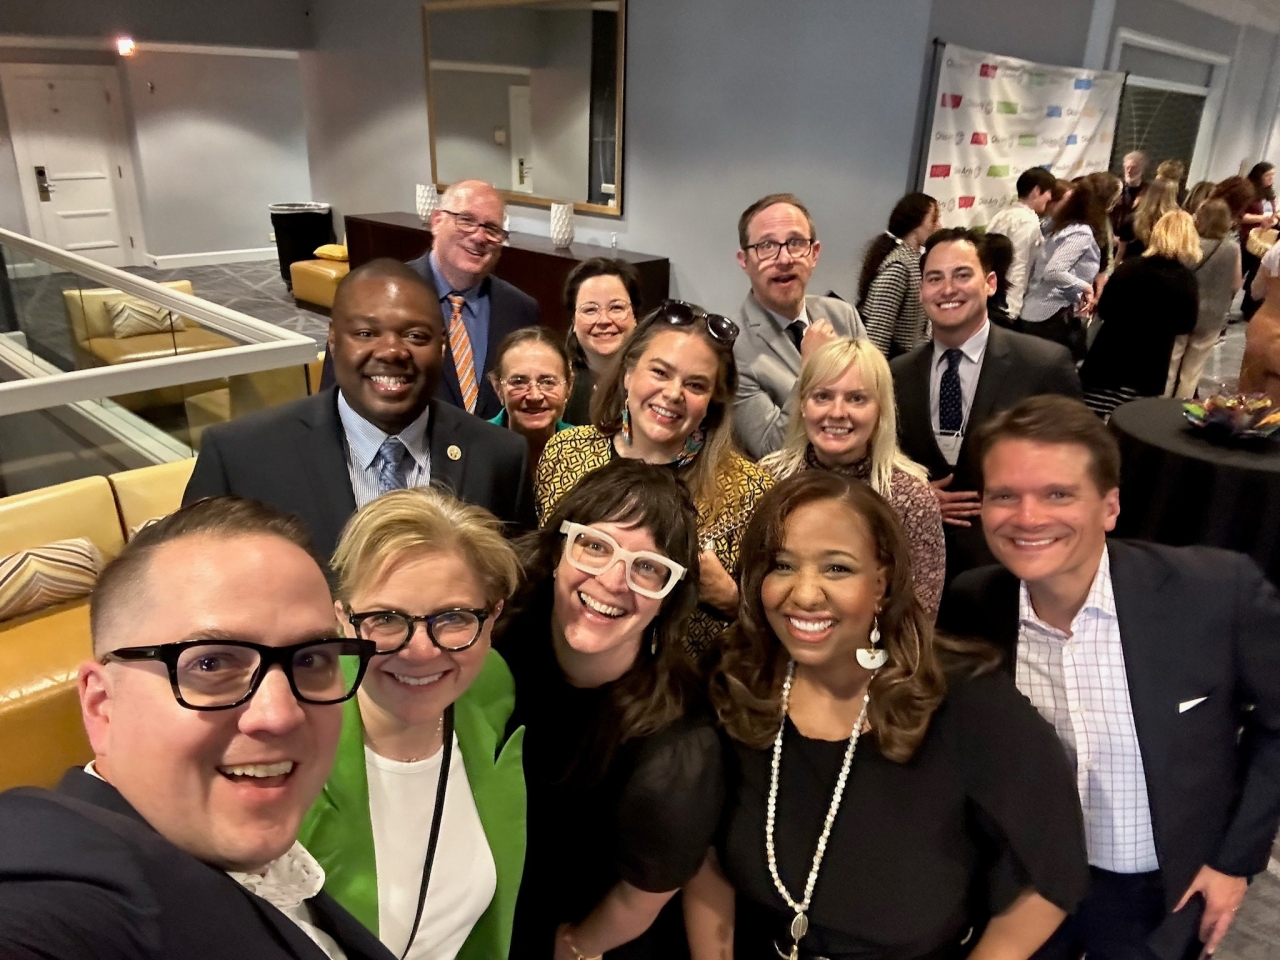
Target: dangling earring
point(692, 446)
point(626, 425)
point(653, 641)
point(872, 657)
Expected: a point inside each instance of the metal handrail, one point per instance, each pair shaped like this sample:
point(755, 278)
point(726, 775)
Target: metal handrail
point(266, 346)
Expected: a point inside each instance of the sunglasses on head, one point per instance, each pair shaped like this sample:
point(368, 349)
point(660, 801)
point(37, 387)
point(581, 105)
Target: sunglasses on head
point(678, 313)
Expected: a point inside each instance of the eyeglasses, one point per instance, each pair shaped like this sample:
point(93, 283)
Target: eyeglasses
point(617, 310)
point(452, 630)
point(796, 247)
point(520, 384)
point(221, 674)
point(593, 551)
point(681, 314)
point(469, 224)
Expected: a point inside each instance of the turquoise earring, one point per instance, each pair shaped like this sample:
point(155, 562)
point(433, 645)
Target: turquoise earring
point(626, 425)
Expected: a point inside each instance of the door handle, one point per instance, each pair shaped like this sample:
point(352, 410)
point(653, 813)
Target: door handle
point(525, 170)
point(43, 185)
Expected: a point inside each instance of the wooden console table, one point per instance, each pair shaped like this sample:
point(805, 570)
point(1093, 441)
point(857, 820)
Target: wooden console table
point(529, 262)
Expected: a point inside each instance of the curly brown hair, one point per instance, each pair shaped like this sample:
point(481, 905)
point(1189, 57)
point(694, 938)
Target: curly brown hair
point(746, 687)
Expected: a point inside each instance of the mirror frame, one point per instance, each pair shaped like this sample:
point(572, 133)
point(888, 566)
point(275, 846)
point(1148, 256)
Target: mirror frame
point(512, 196)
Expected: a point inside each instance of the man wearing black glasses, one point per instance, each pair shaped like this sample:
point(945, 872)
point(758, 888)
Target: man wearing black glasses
point(781, 325)
point(479, 309)
point(213, 707)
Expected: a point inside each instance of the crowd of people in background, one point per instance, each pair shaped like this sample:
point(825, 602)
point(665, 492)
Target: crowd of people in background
point(796, 631)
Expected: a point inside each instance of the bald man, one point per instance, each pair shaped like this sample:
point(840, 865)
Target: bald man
point(478, 308)
point(380, 428)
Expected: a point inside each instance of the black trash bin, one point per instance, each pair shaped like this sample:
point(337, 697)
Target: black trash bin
point(299, 229)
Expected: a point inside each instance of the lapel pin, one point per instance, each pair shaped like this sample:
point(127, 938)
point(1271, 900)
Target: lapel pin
point(454, 452)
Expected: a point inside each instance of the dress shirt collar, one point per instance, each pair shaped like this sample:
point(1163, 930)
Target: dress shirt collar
point(973, 348)
point(364, 439)
point(1100, 601)
point(783, 322)
point(471, 294)
point(288, 880)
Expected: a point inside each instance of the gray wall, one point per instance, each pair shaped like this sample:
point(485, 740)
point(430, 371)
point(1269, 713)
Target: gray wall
point(217, 139)
point(251, 23)
point(1044, 32)
point(560, 104)
point(725, 102)
point(468, 107)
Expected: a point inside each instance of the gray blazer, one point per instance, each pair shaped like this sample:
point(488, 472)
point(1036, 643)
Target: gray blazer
point(768, 365)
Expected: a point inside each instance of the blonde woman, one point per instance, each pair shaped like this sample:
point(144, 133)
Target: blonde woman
point(1146, 305)
point(845, 420)
point(426, 784)
point(1160, 197)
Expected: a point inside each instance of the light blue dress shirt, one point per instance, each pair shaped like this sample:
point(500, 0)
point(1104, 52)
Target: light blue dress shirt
point(363, 441)
point(475, 314)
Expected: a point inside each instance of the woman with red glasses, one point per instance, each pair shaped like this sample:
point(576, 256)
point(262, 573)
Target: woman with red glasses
point(622, 761)
point(667, 400)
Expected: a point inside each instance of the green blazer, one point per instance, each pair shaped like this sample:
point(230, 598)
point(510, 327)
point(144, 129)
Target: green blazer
point(339, 831)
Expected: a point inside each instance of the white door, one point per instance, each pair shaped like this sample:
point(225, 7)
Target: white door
point(67, 130)
point(521, 127)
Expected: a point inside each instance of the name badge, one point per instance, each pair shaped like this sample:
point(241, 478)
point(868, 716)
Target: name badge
point(949, 444)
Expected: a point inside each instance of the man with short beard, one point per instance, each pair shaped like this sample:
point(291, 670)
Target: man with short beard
point(780, 325)
point(969, 370)
point(379, 429)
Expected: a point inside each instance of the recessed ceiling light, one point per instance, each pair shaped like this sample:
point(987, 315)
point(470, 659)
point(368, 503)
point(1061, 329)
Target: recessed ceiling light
point(125, 46)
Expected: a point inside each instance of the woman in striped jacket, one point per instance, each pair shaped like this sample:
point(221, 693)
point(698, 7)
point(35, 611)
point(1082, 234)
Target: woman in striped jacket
point(889, 286)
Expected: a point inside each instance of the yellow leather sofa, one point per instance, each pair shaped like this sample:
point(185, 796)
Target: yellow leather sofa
point(248, 393)
point(316, 281)
point(95, 346)
point(40, 653)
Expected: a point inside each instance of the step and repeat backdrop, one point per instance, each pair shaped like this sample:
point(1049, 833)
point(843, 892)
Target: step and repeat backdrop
point(994, 117)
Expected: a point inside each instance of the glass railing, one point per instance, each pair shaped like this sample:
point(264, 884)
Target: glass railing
point(102, 370)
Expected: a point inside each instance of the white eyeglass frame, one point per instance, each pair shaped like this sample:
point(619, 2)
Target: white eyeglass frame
point(623, 555)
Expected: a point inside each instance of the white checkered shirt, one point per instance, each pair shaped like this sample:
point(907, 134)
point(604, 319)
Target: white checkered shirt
point(1078, 683)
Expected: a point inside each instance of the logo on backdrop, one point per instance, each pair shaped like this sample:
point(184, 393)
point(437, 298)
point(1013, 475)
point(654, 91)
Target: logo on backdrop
point(966, 203)
point(1083, 83)
point(978, 140)
point(1053, 110)
point(951, 100)
point(939, 171)
point(1006, 106)
point(998, 171)
point(987, 70)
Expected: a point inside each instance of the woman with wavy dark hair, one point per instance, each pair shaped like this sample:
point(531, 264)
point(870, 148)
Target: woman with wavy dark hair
point(883, 805)
point(889, 284)
point(1259, 215)
point(622, 760)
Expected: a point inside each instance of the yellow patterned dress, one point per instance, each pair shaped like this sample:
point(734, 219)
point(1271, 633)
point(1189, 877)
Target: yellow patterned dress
point(571, 454)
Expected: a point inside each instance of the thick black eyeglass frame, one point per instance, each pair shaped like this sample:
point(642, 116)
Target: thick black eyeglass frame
point(481, 614)
point(754, 248)
point(492, 231)
point(678, 313)
point(268, 657)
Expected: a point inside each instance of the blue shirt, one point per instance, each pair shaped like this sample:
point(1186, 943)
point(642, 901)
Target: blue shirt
point(363, 441)
point(475, 314)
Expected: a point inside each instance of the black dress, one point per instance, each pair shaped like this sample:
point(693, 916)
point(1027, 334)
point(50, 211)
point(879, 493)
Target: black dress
point(921, 851)
point(648, 816)
point(1145, 305)
point(577, 410)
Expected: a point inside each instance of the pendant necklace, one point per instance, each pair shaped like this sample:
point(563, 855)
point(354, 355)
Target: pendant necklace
point(800, 923)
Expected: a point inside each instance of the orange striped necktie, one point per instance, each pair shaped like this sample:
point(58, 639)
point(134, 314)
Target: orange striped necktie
point(464, 360)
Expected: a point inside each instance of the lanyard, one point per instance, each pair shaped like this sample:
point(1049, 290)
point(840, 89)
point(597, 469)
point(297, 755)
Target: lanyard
point(436, 817)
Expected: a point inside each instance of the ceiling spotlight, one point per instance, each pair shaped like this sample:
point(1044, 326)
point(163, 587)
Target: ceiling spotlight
point(125, 46)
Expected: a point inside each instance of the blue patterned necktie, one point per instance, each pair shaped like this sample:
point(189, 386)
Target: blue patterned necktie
point(389, 462)
point(950, 404)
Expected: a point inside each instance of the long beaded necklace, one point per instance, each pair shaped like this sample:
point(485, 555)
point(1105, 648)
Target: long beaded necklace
point(800, 924)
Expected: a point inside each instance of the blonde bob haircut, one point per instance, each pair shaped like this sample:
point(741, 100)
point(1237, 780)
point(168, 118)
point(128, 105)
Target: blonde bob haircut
point(1175, 236)
point(406, 524)
point(824, 367)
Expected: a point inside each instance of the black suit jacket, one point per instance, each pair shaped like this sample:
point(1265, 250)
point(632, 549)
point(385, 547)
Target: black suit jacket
point(1195, 622)
point(1014, 367)
point(510, 308)
point(84, 877)
point(294, 457)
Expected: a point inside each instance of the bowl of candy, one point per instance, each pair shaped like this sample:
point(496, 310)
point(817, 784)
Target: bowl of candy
point(1238, 418)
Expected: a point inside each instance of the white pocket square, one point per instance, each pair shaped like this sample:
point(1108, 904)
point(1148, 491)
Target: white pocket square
point(1186, 705)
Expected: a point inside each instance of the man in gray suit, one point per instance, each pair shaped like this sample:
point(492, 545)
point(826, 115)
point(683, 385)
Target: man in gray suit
point(780, 325)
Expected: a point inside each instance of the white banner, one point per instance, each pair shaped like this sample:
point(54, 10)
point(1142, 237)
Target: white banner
point(997, 116)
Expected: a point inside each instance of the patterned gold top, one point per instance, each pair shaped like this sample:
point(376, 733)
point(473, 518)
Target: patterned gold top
point(572, 454)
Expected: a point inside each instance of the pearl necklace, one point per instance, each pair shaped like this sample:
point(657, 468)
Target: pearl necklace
point(800, 925)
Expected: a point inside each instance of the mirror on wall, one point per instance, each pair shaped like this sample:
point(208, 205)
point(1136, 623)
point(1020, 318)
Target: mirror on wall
point(527, 95)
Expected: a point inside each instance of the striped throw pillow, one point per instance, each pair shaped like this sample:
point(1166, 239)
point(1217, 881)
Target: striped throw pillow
point(131, 317)
point(31, 580)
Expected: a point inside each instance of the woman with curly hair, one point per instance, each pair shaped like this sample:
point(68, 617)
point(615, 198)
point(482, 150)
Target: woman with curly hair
point(880, 806)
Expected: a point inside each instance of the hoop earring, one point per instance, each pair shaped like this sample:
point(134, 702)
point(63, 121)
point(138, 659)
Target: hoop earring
point(872, 657)
point(626, 425)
